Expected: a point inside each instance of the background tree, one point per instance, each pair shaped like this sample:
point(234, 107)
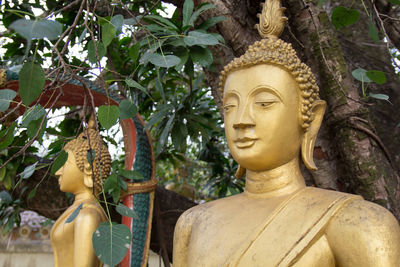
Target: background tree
point(157, 62)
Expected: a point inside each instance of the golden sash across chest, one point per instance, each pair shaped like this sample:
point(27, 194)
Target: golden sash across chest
point(291, 229)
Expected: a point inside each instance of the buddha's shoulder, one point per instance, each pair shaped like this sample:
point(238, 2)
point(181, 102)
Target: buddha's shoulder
point(364, 218)
point(209, 208)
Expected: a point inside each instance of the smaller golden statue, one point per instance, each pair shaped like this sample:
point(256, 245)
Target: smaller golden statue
point(272, 114)
point(72, 241)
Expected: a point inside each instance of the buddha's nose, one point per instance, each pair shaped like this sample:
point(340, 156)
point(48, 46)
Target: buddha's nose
point(244, 119)
point(59, 171)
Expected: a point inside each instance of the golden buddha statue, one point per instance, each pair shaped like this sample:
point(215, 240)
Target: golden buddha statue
point(272, 114)
point(72, 241)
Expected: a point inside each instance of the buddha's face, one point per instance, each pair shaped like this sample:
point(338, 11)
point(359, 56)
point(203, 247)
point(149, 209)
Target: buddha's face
point(262, 117)
point(70, 176)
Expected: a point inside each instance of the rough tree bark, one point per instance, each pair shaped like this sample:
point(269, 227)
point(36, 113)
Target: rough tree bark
point(359, 143)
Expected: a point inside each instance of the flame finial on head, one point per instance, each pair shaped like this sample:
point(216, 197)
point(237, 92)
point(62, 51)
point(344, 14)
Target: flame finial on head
point(272, 20)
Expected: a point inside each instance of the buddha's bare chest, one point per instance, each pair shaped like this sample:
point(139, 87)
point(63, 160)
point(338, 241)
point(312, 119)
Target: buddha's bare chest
point(223, 234)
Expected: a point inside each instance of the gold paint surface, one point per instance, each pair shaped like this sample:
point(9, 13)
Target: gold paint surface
point(72, 242)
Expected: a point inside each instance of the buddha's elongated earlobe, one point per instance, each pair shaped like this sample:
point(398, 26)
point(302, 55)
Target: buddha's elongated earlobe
point(309, 137)
point(240, 172)
point(87, 175)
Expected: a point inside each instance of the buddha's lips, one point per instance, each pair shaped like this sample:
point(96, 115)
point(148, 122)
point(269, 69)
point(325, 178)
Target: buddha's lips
point(245, 142)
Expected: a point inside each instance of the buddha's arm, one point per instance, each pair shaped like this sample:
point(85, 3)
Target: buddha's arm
point(364, 234)
point(181, 239)
point(85, 224)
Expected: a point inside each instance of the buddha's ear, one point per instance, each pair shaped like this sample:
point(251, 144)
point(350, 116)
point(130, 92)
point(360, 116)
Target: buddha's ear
point(87, 175)
point(309, 137)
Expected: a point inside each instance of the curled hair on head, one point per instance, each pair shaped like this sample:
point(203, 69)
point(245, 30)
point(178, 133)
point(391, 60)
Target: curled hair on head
point(80, 147)
point(274, 51)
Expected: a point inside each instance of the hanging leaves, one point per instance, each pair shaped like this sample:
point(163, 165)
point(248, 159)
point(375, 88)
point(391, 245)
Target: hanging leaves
point(28, 171)
point(127, 109)
point(165, 61)
point(360, 75)
point(108, 33)
point(125, 211)
point(373, 31)
point(6, 96)
point(31, 82)
point(74, 214)
point(376, 76)
point(131, 174)
point(111, 242)
point(101, 51)
point(188, 7)
point(342, 17)
point(37, 29)
point(108, 116)
point(36, 112)
point(59, 162)
point(200, 38)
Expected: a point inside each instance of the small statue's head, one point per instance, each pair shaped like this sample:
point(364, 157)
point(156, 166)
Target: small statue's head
point(271, 102)
point(77, 171)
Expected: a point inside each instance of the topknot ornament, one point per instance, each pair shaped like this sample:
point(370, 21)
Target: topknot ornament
point(272, 20)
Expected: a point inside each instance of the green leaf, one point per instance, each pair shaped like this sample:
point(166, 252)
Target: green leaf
point(74, 214)
point(205, 25)
point(187, 12)
point(108, 116)
point(101, 50)
point(127, 109)
point(158, 115)
point(396, 2)
point(376, 76)
point(360, 75)
point(200, 38)
point(131, 174)
point(196, 14)
point(379, 96)
point(201, 55)
point(8, 136)
point(59, 161)
point(111, 242)
point(132, 83)
point(163, 21)
point(6, 96)
point(82, 36)
point(37, 29)
point(5, 197)
point(373, 31)
point(342, 17)
point(133, 52)
point(125, 211)
point(321, 2)
point(90, 156)
point(111, 183)
point(117, 21)
point(160, 89)
point(28, 171)
point(179, 134)
point(164, 61)
point(31, 82)
point(32, 193)
point(33, 127)
point(108, 33)
point(164, 134)
point(34, 113)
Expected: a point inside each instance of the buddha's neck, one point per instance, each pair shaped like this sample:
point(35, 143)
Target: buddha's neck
point(283, 180)
point(84, 195)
